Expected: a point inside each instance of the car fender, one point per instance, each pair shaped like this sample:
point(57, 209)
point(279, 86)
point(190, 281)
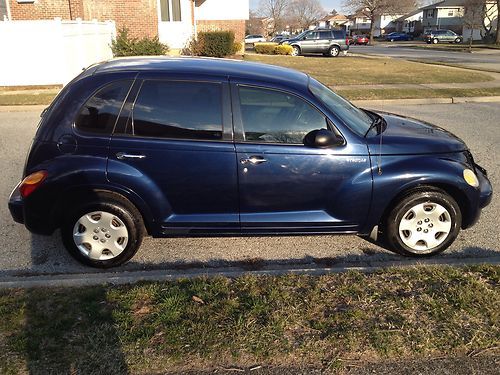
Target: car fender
point(400, 174)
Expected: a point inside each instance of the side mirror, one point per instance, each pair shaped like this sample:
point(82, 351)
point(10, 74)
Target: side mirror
point(322, 138)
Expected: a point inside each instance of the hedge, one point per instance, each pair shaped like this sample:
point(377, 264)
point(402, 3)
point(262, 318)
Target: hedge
point(273, 49)
point(124, 45)
point(213, 44)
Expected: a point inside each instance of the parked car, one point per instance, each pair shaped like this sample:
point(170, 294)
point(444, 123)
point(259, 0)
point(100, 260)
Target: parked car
point(360, 40)
point(181, 147)
point(437, 36)
point(252, 39)
point(278, 38)
point(326, 41)
point(395, 36)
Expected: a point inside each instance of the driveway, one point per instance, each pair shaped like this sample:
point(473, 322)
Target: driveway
point(486, 59)
point(23, 253)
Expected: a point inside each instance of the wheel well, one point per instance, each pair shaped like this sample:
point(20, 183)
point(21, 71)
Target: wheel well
point(452, 191)
point(82, 195)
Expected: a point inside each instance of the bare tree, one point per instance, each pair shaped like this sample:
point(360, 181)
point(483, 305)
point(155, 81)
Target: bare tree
point(304, 13)
point(276, 10)
point(473, 17)
point(372, 9)
point(497, 38)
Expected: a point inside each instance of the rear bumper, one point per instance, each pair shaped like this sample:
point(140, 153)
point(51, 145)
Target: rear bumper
point(16, 206)
point(35, 222)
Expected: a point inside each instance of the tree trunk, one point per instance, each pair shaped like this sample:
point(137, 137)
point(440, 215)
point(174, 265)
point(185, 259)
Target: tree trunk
point(372, 26)
point(497, 39)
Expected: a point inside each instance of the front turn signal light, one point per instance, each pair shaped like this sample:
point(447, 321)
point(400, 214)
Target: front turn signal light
point(32, 182)
point(471, 178)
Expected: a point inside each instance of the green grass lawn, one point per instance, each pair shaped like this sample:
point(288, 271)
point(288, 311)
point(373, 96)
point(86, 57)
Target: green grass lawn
point(283, 321)
point(361, 70)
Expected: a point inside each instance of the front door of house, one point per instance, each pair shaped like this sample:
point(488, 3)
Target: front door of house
point(175, 26)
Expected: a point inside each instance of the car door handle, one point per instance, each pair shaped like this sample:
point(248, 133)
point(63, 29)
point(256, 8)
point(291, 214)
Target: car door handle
point(253, 160)
point(123, 156)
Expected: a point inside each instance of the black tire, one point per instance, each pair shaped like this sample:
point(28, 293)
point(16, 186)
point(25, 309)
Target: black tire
point(435, 41)
point(334, 51)
point(392, 237)
point(116, 206)
point(296, 51)
point(458, 40)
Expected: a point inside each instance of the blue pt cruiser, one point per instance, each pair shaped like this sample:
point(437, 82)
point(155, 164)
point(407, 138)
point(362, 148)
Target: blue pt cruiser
point(177, 147)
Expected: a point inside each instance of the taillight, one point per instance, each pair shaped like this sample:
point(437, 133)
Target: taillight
point(31, 183)
point(347, 40)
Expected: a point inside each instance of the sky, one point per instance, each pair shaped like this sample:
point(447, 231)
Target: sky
point(327, 4)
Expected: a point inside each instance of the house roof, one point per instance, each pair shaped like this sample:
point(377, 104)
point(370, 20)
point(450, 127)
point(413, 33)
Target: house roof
point(411, 14)
point(445, 4)
point(196, 66)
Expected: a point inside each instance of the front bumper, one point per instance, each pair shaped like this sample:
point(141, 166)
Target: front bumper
point(485, 188)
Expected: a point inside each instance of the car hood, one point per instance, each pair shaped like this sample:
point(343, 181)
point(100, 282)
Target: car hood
point(405, 135)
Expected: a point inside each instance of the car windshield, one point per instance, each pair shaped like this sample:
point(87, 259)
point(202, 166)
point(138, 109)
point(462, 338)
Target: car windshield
point(356, 119)
point(301, 34)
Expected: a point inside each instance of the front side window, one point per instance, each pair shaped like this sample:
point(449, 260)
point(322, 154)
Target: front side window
point(186, 110)
point(311, 35)
point(271, 116)
point(356, 119)
point(99, 113)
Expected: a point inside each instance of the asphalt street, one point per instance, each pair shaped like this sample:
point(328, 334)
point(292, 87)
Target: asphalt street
point(24, 253)
point(487, 59)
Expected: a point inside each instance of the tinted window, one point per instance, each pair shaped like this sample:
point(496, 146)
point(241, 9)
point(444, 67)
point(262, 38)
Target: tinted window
point(311, 35)
point(325, 35)
point(340, 35)
point(100, 112)
point(189, 110)
point(276, 117)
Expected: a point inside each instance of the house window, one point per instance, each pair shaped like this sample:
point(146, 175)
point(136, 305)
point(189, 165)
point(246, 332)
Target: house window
point(451, 13)
point(170, 10)
point(3, 10)
point(430, 13)
point(365, 20)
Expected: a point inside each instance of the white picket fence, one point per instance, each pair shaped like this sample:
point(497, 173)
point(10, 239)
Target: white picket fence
point(51, 52)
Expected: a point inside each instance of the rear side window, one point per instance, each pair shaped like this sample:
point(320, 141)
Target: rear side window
point(99, 113)
point(187, 110)
point(325, 34)
point(340, 35)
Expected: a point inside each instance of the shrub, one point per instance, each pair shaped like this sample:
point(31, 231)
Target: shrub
point(236, 48)
point(214, 44)
point(283, 49)
point(265, 48)
point(124, 45)
point(273, 49)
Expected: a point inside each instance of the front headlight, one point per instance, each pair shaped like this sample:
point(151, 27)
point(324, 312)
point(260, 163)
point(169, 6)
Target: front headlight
point(470, 178)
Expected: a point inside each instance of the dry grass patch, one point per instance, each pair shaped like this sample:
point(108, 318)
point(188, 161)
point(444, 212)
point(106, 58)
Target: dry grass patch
point(285, 321)
point(360, 70)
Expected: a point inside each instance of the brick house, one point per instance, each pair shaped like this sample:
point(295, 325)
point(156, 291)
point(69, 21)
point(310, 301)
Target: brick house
point(174, 21)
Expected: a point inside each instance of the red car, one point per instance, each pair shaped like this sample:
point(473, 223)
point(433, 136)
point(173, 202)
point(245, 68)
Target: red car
point(360, 39)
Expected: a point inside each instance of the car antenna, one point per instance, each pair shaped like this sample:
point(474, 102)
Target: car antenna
point(379, 162)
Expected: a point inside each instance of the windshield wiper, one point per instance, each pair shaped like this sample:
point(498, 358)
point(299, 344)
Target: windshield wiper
point(377, 122)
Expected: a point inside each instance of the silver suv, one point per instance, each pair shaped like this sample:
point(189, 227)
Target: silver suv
point(437, 36)
point(326, 41)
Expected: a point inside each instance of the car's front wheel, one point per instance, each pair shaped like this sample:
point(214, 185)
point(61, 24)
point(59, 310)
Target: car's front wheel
point(334, 51)
point(458, 40)
point(423, 223)
point(435, 41)
point(103, 234)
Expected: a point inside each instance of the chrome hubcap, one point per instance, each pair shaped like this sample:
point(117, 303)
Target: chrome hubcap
point(334, 52)
point(100, 235)
point(425, 226)
point(295, 51)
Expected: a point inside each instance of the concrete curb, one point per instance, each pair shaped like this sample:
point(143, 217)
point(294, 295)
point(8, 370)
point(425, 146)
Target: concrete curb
point(130, 277)
point(23, 108)
point(426, 101)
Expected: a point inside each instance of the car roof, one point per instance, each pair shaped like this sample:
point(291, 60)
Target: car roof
point(206, 66)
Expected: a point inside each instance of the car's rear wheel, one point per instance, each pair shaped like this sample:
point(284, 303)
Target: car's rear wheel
point(392, 40)
point(334, 51)
point(423, 223)
point(435, 41)
point(295, 51)
point(103, 234)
